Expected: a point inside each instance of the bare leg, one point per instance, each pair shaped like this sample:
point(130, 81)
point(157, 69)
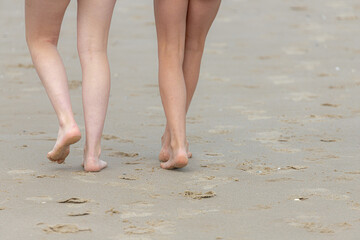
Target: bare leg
point(43, 23)
point(94, 18)
point(170, 17)
point(200, 16)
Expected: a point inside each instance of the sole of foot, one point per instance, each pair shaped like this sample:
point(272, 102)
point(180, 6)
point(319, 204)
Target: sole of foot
point(62, 147)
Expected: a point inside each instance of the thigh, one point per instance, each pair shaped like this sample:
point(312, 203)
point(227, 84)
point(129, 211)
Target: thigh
point(94, 19)
point(170, 18)
point(43, 19)
point(201, 15)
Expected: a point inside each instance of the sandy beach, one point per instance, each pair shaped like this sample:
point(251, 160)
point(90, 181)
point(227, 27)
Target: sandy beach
point(273, 128)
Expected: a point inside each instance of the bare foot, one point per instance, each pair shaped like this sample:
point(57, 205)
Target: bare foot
point(66, 137)
point(178, 159)
point(92, 164)
point(165, 148)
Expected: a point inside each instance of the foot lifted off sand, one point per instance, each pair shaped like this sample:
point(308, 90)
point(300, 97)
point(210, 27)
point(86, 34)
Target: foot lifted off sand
point(62, 146)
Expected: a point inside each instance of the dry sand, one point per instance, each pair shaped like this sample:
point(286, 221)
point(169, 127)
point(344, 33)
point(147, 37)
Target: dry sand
point(274, 129)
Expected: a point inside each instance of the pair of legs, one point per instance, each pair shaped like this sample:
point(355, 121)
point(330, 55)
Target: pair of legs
point(43, 24)
point(182, 27)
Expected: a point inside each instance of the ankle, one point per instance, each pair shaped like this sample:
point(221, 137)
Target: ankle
point(178, 145)
point(92, 152)
point(68, 122)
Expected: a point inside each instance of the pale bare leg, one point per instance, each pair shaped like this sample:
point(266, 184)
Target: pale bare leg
point(94, 18)
point(200, 16)
point(43, 23)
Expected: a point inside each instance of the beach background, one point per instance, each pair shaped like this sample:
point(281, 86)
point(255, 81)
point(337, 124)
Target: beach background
point(273, 128)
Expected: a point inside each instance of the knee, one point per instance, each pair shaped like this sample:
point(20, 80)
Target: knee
point(172, 51)
point(90, 47)
point(39, 42)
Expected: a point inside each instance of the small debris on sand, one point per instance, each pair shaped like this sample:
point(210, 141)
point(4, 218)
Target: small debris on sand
point(64, 228)
point(46, 176)
point(301, 199)
point(78, 214)
point(128, 178)
point(112, 211)
point(329, 105)
point(200, 195)
point(294, 167)
point(74, 201)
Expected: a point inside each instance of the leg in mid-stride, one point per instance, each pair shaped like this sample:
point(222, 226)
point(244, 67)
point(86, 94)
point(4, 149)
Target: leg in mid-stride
point(94, 18)
point(182, 27)
point(43, 23)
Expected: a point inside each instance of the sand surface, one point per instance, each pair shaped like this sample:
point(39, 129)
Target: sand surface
point(274, 130)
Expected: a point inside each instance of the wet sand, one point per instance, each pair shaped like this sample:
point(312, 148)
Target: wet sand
point(274, 131)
